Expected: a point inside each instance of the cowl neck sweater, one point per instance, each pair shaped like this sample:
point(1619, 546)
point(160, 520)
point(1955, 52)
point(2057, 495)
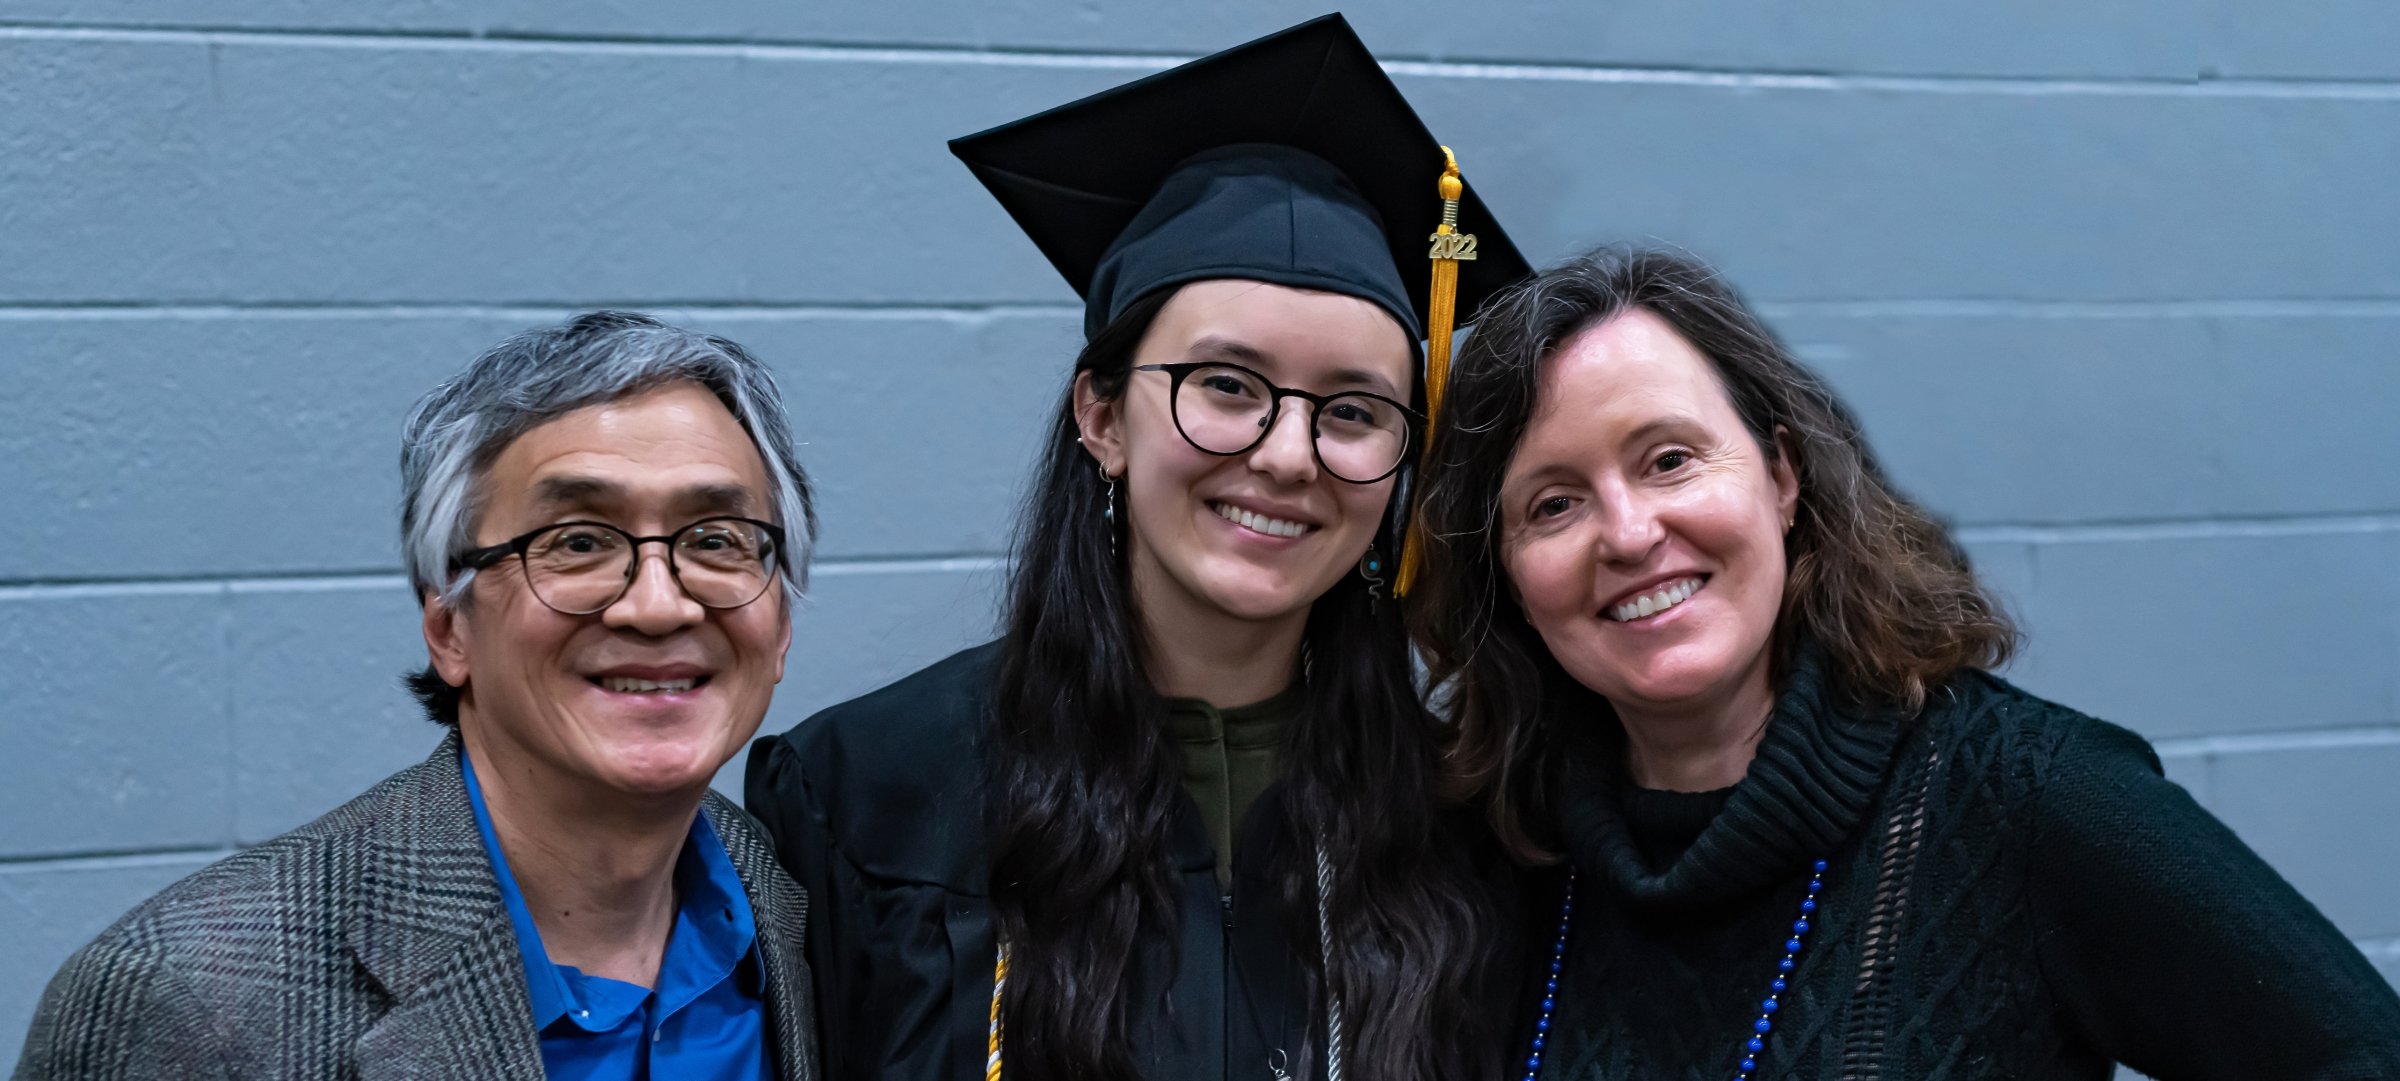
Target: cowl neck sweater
point(1815, 775)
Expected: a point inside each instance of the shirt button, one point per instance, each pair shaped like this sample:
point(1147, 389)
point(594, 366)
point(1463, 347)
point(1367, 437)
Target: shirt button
point(657, 1034)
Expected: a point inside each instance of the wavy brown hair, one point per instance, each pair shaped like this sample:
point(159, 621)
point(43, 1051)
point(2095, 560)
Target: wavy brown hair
point(1871, 579)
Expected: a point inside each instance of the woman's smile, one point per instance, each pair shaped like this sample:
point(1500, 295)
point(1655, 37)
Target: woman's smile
point(1651, 603)
point(1644, 535)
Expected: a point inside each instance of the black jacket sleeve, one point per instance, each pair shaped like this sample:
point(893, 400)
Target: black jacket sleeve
point(2176, 948)
point(776, 791)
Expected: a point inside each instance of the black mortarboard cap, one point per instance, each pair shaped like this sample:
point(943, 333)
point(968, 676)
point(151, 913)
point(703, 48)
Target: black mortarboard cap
point(1292, 159)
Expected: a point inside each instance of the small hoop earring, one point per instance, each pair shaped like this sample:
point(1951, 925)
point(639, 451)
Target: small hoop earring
point(1370, 567)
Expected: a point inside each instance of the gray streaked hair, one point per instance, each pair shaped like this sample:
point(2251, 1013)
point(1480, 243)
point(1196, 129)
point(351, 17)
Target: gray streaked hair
point(457, 430)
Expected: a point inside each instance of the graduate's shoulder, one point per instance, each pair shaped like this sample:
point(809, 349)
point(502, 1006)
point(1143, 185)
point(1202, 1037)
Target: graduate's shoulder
point(938, 708)
point(893, 778)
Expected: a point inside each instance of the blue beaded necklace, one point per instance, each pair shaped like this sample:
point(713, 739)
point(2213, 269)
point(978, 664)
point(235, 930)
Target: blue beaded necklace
point(1767, 1007)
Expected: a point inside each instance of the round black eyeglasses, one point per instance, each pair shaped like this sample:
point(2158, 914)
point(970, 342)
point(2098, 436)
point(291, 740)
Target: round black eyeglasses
point(1226, 409)
point(578, 568)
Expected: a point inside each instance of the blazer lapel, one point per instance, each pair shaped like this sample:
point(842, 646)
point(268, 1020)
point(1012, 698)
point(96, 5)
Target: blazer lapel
point(429, 927)
point(468, 1021)
point(780, 909)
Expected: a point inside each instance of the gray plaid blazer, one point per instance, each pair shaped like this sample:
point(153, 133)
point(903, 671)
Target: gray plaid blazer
point(370, 944)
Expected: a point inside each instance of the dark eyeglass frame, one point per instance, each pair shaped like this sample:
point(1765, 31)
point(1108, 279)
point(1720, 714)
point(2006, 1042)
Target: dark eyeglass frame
point(1276, 394)
point(488, 557)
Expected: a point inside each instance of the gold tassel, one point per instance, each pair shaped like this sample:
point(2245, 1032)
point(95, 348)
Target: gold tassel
point(1450, 247)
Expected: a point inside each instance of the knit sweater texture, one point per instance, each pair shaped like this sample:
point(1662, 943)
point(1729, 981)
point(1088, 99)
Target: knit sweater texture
point(2015, 891)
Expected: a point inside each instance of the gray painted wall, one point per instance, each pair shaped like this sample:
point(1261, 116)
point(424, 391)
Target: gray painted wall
point(2113, 287)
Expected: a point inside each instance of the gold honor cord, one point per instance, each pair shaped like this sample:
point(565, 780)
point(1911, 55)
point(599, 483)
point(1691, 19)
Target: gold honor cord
point(1334, 1053)
point(1450, 248)
point(991, 1043)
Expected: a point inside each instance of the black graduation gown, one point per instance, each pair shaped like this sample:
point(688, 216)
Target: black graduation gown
point(876, 806)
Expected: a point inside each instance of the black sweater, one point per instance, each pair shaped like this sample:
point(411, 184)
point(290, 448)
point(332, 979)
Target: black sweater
point(2015, 892)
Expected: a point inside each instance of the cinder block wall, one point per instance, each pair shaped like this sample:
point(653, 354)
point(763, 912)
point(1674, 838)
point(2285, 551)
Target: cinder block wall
point(2113, 286)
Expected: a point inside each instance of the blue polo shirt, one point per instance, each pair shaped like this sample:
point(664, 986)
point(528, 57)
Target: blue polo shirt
point(707, 1017)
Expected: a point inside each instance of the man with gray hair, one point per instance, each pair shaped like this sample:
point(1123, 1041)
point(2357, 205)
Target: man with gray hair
point(607, 527)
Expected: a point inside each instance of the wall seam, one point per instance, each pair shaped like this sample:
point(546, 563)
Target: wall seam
point(2198, 84)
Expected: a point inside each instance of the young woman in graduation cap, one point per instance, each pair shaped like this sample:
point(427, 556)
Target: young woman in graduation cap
point(1180, 820)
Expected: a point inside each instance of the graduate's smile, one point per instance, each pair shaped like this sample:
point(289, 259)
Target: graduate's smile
point(1263, 532)
point(1272, 523)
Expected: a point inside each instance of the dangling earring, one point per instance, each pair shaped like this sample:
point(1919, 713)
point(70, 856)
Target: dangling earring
point(1108, 509)
point(1370, 567)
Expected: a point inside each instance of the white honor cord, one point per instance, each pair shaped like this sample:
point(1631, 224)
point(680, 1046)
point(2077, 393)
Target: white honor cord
point(1333, 1001)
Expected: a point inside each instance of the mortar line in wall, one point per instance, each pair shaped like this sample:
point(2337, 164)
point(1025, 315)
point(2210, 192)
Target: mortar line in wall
point(2320, 739)
point(230, 695)
point(1983, 307)
point(2096, 531)
point(622, 44)
point(105, 859)
point(2033, 533)
point(343, 580)
point(964, 563)
point(1916, 308)
point(197, 584)
point(1070, 57)
point(1990, 85)
point(518, 310)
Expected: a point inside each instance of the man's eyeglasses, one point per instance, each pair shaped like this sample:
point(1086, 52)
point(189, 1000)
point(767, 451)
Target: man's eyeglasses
point(578, 568)
point(1226, 409)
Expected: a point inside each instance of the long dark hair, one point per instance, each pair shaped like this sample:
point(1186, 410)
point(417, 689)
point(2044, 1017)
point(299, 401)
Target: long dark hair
point(1872, 579)
point(1085, 781)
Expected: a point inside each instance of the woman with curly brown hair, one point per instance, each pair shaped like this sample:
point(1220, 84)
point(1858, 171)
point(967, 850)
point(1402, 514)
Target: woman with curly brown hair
point(1732, 692)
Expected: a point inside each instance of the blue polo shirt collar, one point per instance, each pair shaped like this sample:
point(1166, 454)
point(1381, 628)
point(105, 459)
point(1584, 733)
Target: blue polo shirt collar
point(714, 932)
